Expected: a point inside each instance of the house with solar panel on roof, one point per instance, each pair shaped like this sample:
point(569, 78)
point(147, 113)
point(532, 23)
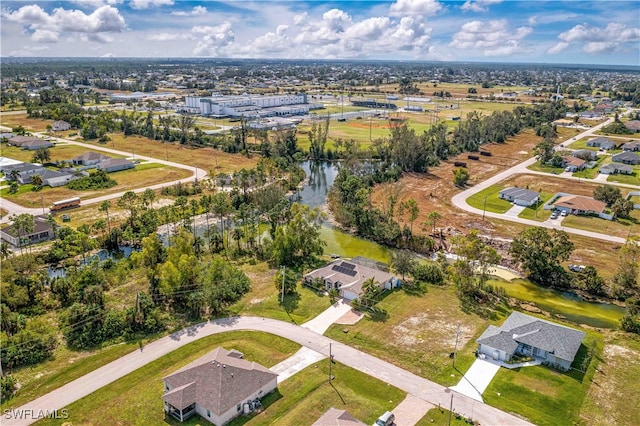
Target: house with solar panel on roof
point(348, 278)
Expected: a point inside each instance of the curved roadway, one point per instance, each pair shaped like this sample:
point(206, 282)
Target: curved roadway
point(382, 370)
point(460, 200)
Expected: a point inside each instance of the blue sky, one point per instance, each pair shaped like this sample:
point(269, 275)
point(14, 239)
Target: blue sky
point(602, 32)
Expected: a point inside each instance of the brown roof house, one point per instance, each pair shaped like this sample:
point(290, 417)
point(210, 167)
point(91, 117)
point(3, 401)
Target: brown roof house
point(573, 164)
point(218, 386)
point(580, 205)
point(348, 277)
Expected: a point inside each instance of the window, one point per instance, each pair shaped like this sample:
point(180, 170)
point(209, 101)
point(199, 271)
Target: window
point(208, 413)
point(239, 407)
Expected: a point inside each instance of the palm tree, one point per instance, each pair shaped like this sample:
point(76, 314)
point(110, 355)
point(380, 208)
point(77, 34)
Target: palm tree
point(432, 220)
point(104, 207)
point(37, 182)
point(185, 122)
point(14, 174)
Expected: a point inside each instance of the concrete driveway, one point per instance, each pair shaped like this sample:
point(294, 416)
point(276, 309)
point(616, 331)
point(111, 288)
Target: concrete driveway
point(514, 211)
point(476, 379)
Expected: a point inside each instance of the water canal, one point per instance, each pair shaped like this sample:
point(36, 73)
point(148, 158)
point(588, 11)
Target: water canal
point(565, 304)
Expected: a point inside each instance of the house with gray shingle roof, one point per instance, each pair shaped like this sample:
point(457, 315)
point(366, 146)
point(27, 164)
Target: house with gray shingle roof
point(216, 386)
point(523, 334)
point(348, 278)
point(603, 143)
point(520, 196)
point(626, 157)
point(335, 417)
point(613, 168)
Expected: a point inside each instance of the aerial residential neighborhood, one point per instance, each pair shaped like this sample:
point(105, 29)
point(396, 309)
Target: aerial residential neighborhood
point(313, 213)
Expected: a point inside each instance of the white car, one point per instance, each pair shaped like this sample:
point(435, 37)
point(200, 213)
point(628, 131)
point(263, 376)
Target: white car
point(564, 213)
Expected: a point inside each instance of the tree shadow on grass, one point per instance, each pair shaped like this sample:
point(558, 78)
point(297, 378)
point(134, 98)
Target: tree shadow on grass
point(290, 304)
point(416, 289)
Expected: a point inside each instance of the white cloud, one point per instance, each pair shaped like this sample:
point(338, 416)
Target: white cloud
point(146, 4)
point(493, 37)
point(415, 7)
point(108, 55)
point(45, 36)
point(214, 39)
point(196, 11)
point(597, 39)
point(479, 5)
point(103, 19)
point(559, 47)
point(533, 20)
point(94, 4)
point(170, 36)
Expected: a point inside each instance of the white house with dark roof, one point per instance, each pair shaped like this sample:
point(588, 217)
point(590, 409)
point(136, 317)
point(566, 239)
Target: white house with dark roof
point(626, 157)
point(89, 158)
point(614, 168)
point(520, 196)
point(348, 278)
point(523, 334)
point(115, 165)
point(60, 125)
point(216, 386)
point(42, 231)
point(601, 142)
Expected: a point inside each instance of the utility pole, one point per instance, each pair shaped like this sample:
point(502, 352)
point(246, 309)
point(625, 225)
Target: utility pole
point(330, 362)
point(455, 350)
point(451, 408)
point(484, 208)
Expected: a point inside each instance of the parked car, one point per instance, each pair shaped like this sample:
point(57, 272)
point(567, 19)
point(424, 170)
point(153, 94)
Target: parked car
point(554, 214)
point(564, 213)
point(577, 268)
point(386, 419)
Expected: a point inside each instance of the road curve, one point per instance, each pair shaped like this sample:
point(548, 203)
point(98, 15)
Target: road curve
point(460, 199)
point(396, 376)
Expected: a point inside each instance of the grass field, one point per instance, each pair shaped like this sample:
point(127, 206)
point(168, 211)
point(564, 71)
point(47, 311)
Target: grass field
point(263, 299)
point(631, 179)
point(136, 398)
point(592, 173)
point(615, 384)
point(59, 152)
point(419, 333)
point(493, 202)
point(582, 144)
point(441, 417)
point(546, 168)
point(537, 212)
point(304, 397)
point(30, 124)
point(621, 227)
point(545, 396)
point(148, 174)
point(208, 159)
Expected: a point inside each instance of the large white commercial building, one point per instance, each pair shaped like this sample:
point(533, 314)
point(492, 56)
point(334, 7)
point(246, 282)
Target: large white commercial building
point(249, 105)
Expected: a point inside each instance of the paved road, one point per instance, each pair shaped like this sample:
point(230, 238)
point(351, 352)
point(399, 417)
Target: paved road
point(197, 173)
point(459, 200)
point(414, 385)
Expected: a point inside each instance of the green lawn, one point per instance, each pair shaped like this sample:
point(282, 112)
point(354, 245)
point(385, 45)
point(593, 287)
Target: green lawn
point(582, 144)
point(136, 398)
point(441, 417)
point(542, 214)
point(493, 202)
point(546, 168)
point(545, 396)
point(631, 179)
point(619, 227)
point(304, 397)
point(419, 333)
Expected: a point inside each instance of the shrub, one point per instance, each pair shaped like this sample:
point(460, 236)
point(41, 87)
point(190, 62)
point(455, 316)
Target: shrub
point(97, 180)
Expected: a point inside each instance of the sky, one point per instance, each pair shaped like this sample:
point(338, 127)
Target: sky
point(572, 32)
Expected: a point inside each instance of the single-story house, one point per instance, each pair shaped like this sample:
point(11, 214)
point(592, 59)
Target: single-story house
point(60, 125)
point(89, 158)
point(520, 196)
point(217, 386)
point(6, 162)
point(335, 417)
point(523, 334)
point(578, 204)
point(7, 135)
point(115, 165)
point(585, 154)
point(573, 164)
point(55, 178)
point(42, 231)
point(19, 140)
point(631, 146)
point(633, 125)
point(590, 115)
point(626, 157)
point(24, 170)
point(36, 144)
point(613, 168)
point(348, 277)
point(603, 143)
